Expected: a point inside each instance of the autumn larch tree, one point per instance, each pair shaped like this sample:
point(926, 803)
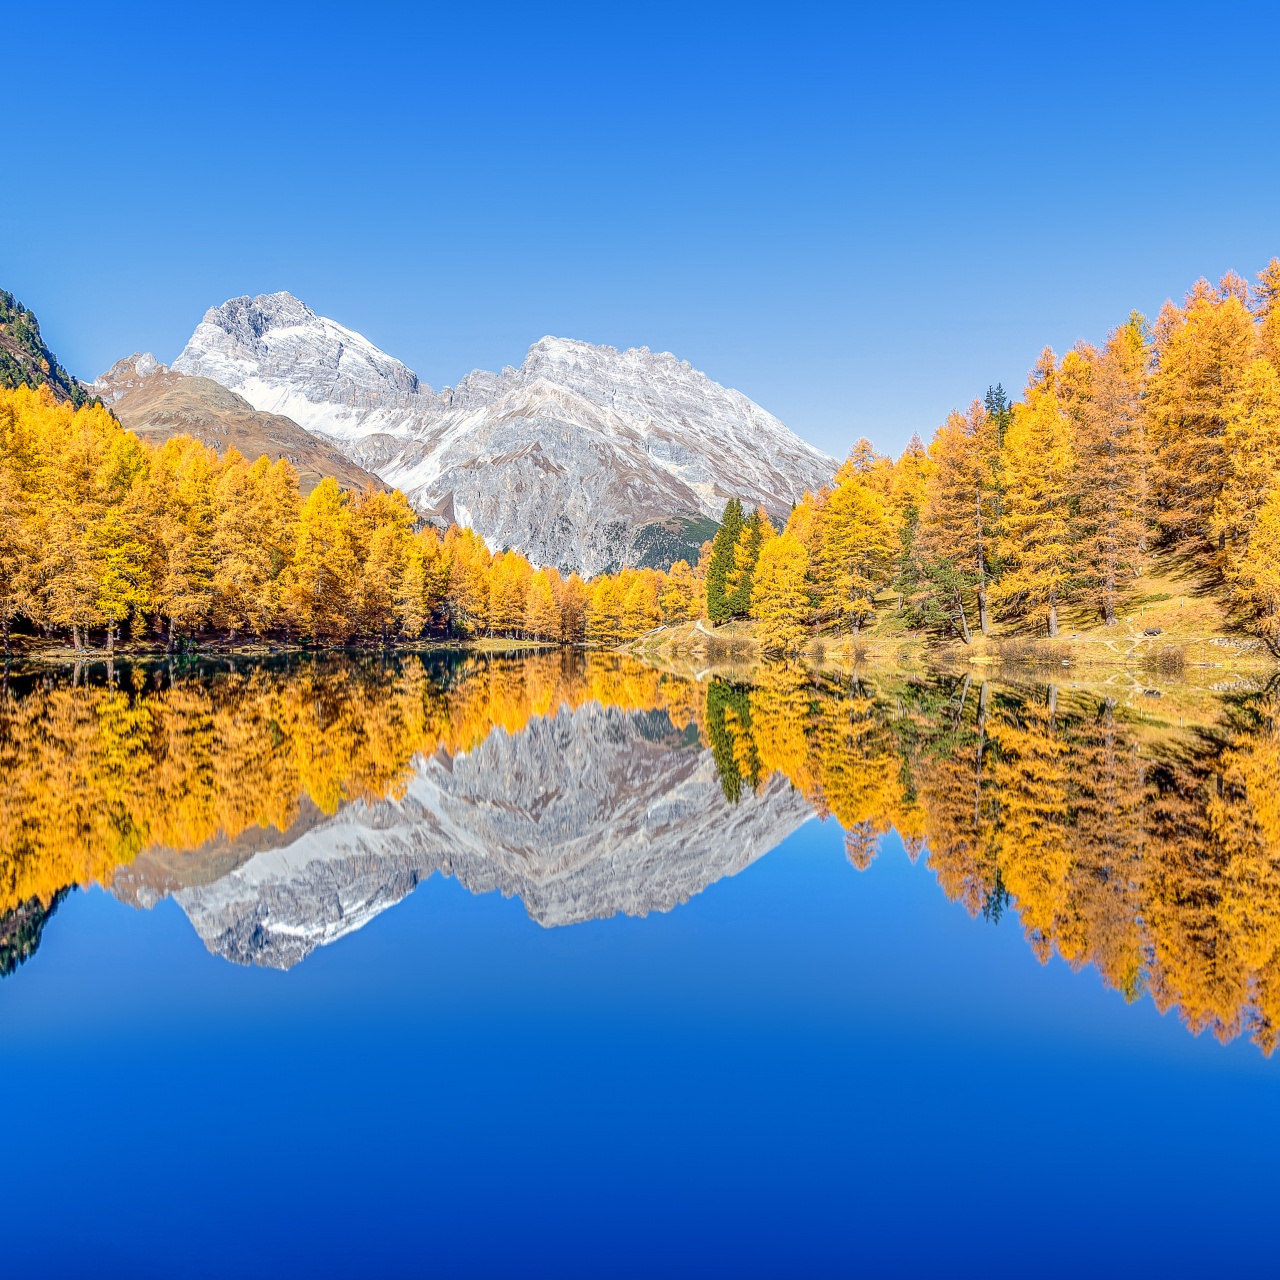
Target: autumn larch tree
point(858, 545)
point(1035, 547)
point(954, 540)
point(780, 594)
point(1111, 484)
point(1202, 351)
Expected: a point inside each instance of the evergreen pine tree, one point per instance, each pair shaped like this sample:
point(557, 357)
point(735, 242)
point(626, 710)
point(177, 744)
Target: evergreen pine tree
point(746, 552)
point(722, 550)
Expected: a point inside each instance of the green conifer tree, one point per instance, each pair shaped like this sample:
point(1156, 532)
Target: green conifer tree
point(741, 576)
point(722, 549)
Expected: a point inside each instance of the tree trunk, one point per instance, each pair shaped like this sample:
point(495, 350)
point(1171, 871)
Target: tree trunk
point(964, 624)
point(75, 635)
point(1053, 618)
point(173, 637)
point(964, 697)
point(111, 641)
point(7, 651)
point(984, 618)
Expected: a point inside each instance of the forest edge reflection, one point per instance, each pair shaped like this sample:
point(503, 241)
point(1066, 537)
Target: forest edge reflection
point(1149, 851)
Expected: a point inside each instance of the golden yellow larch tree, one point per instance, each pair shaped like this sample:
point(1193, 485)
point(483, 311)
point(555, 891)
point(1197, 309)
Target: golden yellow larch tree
point(604, 610)
point(1266, 306)
point(381, 531)
point(509, 576)
point(122, 557)
point(1252, 457)
point(1255, 575)
point(573, 599)
point(1034, 547)
point(641, 592)
point(1111, 482)
point(16, 551)
point(679, 598)
point(541, 613)
point(241, 558)
point(467, 596)
point(856, 559)
point(780, 594)
point(954, 544)
point(184, 473)
point(1202, 351)
point(324, 577)
point(875, 470)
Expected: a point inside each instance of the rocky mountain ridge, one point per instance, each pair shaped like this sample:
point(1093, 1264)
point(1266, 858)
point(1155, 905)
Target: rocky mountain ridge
point(570, 458)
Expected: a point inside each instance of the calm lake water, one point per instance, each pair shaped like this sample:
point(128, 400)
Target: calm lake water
point(554, 965)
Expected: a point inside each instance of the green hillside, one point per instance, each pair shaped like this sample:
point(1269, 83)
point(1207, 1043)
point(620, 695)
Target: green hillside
point(24, 358)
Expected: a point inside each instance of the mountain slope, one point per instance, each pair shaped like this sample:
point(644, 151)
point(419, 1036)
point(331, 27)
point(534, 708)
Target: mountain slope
point(573, 458)
point(24, 358)
point(158, 404)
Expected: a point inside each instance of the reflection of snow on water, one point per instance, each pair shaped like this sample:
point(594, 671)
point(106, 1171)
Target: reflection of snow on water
point(583, 815)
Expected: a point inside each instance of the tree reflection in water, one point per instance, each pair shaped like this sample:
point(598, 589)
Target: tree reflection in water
point(1153, 856)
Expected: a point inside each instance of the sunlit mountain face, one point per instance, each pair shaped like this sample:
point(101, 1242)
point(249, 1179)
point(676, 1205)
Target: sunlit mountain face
point(284, 806)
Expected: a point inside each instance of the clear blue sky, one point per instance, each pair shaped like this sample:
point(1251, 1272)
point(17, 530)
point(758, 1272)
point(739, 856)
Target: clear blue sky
point(859, 218)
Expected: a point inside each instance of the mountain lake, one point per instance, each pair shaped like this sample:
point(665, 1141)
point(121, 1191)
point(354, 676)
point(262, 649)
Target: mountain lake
point(560, 964)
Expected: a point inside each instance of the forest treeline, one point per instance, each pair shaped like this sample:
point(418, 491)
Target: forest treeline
point(1166, 438)
point(100, 530)
point(1155, 864)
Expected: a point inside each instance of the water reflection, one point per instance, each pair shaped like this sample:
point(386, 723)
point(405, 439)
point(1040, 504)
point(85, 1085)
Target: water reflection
point(283, 807)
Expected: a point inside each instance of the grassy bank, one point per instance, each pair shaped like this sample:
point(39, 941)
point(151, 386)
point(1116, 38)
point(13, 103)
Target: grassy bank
point(1178, 630)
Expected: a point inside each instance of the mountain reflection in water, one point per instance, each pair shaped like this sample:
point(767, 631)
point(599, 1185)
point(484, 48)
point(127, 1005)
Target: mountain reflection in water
point(285, 806)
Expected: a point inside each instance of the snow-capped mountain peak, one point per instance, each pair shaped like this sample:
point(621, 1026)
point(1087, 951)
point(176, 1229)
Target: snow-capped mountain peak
point(568, 458)
point(283, 358)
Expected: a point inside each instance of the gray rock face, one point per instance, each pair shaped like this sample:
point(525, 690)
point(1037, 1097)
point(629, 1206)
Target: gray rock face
point(565, 458)
point(584, 815)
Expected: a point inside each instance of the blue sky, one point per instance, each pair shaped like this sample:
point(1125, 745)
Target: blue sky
point(858, 217)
